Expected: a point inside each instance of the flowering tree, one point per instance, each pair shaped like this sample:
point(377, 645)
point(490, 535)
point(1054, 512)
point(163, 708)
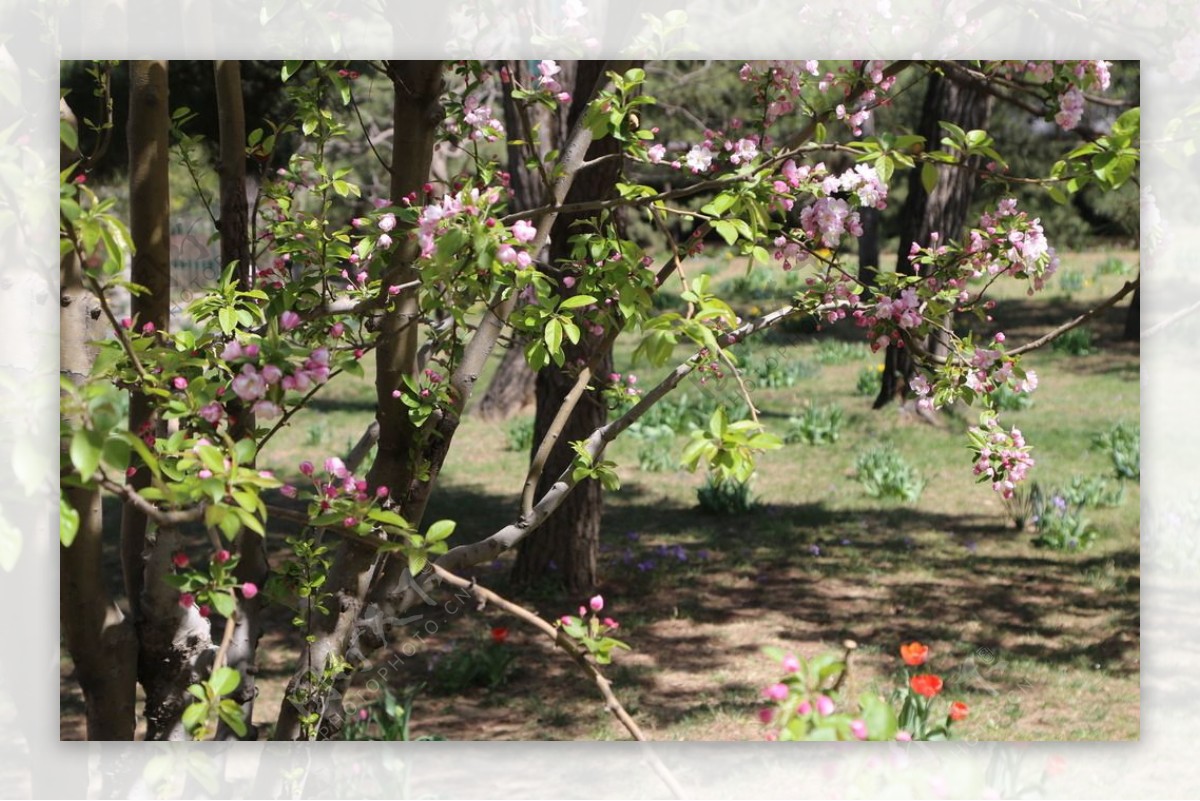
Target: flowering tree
point(431, 279)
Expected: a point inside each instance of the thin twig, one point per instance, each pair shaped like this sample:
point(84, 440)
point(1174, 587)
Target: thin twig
point(538, 463)
point(1087, 315)
point(484, 595)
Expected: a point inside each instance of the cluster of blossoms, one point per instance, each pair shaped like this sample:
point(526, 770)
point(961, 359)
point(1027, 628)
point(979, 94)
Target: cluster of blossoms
point(440, 216)
point(338, 489)
point(782, 82)
point(546, 81)
point(481, 124)
point(264, 385)
point(1009, 241)
point(831, 216)
point(214, 587)
point(592, 631)
point(701, 157)
point(1001, 457)
point(1074, 77)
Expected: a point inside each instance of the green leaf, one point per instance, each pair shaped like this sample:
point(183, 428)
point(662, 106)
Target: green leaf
point(726, 230)
point(416, 563)
point(576, 301)
point(553, 336)
point(231, 715)
point(194, 715)
point(68, 135)
point(68, 522)
point(86, 447)
point(440, 531)
point(227, 318)
point(885, 166)
point(929, 176)
point(223, 603)
point(224, 680)
point(388, 518)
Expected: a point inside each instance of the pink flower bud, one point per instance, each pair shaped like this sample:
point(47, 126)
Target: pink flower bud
point(337, 329)
point(306, 468)
point(596, 603)
point(148, 328)
point(776, 692)
point(180, 559)
point(249, 590)
point(825, 705)
point(205, 610)
point(221, 556)
point(127, 322)
point(186, 599)
point(179, 382)
point(289, 320)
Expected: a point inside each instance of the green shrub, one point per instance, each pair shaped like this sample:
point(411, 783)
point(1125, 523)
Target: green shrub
point(1071, 281)
point(816, 425)
point(520, 435)
point(1124, 445)
point(725, 497)
point(657, 450)
point(837, 351)
point(1076, 342)
point(386, 719)
point(1004, 399)
point(476, 664)
point(1061, 527)
point(684, 412)
point(885, 474)
point(1092, 492)
point(1113, 266)
point(869, 381)
point(773, 372)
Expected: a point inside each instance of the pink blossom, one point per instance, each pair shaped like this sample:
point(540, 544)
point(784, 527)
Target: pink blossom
point(524, 231)
point(776, 692)
point(205, 473)
point(610, 623)
point(387, 222)
point(211, 412)
point(289, 320)
point(272, 374)
point(655, 153)
point(791, 664)
point(859, 729)
point(336, 467)
point(904, 736)
point(233, 351)
point(596, 603)
point(179, 382)
point(249, 385)
point(506, 254)
point(337, 329)
point(699, 158)
point(385, 241)
point(825, 705)
point(1070, 112)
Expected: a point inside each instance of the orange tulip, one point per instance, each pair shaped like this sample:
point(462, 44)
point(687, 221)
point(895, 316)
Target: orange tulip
point(958, 711)
point(914, 654)
point(926, 684)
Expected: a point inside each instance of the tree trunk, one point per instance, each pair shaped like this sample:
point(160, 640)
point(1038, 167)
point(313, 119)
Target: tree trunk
point(1133, 317)
point(235, 247)
point(943, 210)
point(566, 547)
point(99, 637)
point(416, 115)
point(511, 388)
point(173, 641)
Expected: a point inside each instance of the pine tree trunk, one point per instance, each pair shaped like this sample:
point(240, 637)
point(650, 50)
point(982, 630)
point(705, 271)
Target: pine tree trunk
point(566, 547)
point(100, 639)
point(943, 210)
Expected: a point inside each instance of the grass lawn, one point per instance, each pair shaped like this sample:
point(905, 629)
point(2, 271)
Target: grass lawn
point(1042, 644)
